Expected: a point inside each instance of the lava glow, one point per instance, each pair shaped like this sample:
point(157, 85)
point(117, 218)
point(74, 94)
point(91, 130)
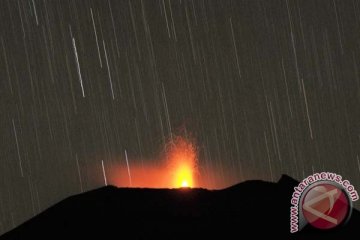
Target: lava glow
point(176, 167)
point(181, 156)
point(183, 177)
point(184, 184)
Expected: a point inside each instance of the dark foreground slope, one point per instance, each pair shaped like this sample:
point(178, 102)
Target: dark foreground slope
point(244, 211)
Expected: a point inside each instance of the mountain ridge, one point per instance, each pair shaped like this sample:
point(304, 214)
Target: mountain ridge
point(254, 207)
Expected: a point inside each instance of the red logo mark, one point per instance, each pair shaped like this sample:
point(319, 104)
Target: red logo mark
point(325, 206)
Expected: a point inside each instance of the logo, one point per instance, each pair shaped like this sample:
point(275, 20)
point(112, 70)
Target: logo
point(325, 206)
point(322, 200)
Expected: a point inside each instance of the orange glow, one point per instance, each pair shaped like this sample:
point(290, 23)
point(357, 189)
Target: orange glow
point(184, 184)
point(183, 177)
point(176, 167)
point(181, 156)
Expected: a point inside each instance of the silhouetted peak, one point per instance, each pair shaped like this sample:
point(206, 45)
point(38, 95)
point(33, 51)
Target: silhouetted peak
point(97, 213)
point(286, 180)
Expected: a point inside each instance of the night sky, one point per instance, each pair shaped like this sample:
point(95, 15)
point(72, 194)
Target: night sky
point(260, 88)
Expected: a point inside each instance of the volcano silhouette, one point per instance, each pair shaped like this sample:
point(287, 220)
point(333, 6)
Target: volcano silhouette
point(248, 210)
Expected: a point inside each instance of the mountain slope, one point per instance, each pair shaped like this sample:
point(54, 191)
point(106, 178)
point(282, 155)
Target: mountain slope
point(258, 208)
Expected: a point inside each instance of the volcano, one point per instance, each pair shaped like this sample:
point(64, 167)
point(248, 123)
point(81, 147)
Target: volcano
point(252, 208)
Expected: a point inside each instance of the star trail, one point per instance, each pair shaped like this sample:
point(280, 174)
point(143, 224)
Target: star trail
point(260, 88)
